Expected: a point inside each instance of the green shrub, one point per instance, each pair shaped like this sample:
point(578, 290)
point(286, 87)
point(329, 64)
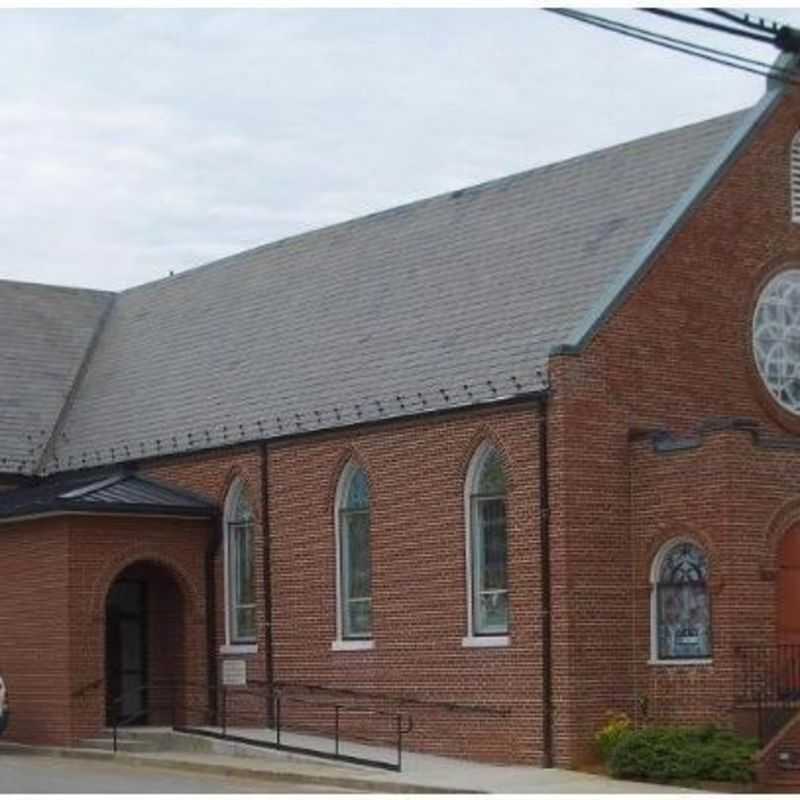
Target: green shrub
point(609, 736)
point(668, 755)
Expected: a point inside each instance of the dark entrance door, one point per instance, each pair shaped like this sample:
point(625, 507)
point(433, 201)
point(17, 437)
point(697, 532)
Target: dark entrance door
point(126, 651)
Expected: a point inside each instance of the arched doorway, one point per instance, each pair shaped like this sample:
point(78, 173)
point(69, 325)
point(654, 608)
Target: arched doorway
point(788, 612)
point(144, 645)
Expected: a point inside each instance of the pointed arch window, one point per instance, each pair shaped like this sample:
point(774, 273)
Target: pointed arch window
point(354, 556)
point(240, 594)
point(794, 177)
point(681, 605)
point(487, 545)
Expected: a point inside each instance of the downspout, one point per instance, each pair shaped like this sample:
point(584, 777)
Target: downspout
point(269, 665)
point(211, 621)
point(545, 601)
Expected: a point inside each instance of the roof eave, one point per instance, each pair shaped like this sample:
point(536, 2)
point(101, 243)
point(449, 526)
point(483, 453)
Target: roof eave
point(115, 509)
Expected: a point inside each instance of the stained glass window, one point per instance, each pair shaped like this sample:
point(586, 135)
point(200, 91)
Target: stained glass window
point(489, 547)
point(776, 338)
point(355, 578)
point(240, 564)
point(683, 608)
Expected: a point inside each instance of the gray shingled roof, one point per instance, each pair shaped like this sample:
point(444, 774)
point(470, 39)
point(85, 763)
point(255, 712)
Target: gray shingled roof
point(45, 332)
point(445, 302)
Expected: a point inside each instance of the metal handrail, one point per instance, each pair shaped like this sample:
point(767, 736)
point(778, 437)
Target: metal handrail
point(172, 686)
point(768, 680)
point(116, 704)
point(466, 708)
point(400, 729)
point(279, 697)
point(403, 722)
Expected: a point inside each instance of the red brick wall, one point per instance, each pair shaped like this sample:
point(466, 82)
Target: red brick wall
point(417, 471)
point(55, 574)
point(724, 495)
point(100, 549)
point(34, 627)
point(676, 353)
point(211, 475)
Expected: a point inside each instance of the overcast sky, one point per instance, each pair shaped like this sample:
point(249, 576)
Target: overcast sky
point(133, 143)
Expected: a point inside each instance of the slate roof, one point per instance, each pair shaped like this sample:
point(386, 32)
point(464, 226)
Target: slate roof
point(449, 301)
point(109, 493)
point(45, 333)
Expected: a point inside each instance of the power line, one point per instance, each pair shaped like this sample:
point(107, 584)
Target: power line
point(677, 45)
point(682, 42)
point(702, 23)
point(681, 46)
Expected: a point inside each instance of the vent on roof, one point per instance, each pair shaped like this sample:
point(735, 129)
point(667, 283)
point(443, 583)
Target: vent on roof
point(794, 177)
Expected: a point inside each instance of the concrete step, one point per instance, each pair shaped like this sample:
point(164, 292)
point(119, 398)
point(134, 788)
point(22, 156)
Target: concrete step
point(124, 744)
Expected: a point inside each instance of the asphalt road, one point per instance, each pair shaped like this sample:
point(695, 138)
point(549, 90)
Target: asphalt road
point(26, 774)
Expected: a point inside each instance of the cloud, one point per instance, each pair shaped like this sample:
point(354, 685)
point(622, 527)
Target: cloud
point(137, 142)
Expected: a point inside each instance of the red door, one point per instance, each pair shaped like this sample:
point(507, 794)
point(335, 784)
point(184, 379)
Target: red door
point(789, 613)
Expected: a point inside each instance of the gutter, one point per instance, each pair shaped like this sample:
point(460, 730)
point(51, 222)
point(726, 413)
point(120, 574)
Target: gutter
point(211, 622)
point(269, 666)
point(545, 588)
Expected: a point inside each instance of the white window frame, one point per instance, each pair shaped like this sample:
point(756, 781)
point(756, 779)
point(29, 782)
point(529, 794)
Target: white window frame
point(341, 643)
point(231, 646)
point(794, 178)
point(655, 571)
point(473, 638)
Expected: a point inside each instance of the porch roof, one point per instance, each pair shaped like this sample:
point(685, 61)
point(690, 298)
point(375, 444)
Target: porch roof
point(116, 493)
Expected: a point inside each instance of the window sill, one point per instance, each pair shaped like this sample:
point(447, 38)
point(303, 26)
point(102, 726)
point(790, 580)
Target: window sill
point(353, 644)
point(486, 641)
point(238, 649)
point(680, 662)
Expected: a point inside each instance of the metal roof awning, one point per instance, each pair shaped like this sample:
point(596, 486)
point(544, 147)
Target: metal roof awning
point(119, 493)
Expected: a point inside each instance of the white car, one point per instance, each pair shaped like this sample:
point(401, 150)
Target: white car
point(4, 712)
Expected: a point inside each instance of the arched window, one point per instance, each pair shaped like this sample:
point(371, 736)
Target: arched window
point(681, 605)
point(240, 593)
point(794, 177)
point(353, 553)
point(487, 545)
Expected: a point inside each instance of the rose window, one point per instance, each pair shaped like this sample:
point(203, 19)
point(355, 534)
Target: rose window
point(776, 338)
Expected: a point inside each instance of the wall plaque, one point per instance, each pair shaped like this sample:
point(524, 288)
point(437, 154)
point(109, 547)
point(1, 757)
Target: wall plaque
point(234, 672)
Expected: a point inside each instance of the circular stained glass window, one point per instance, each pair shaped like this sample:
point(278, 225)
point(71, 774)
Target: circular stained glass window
point(776, 338)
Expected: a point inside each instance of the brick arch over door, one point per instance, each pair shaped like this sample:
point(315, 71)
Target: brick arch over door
point(89, 679)
point(782, 521)
point(111, 571)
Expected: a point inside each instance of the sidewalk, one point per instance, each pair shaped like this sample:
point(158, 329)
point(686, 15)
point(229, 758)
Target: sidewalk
point(421, 773)
point(437, 773)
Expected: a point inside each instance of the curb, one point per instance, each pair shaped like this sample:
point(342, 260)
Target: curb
point(235, 771)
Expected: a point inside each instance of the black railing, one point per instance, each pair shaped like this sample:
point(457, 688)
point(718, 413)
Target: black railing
point(768, 680)
point(184, 702)
point(395, 700)
point(146, 691)
point(346, 715)
point(327, 714)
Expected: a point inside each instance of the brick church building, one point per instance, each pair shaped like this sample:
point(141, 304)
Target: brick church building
point(510, 458)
